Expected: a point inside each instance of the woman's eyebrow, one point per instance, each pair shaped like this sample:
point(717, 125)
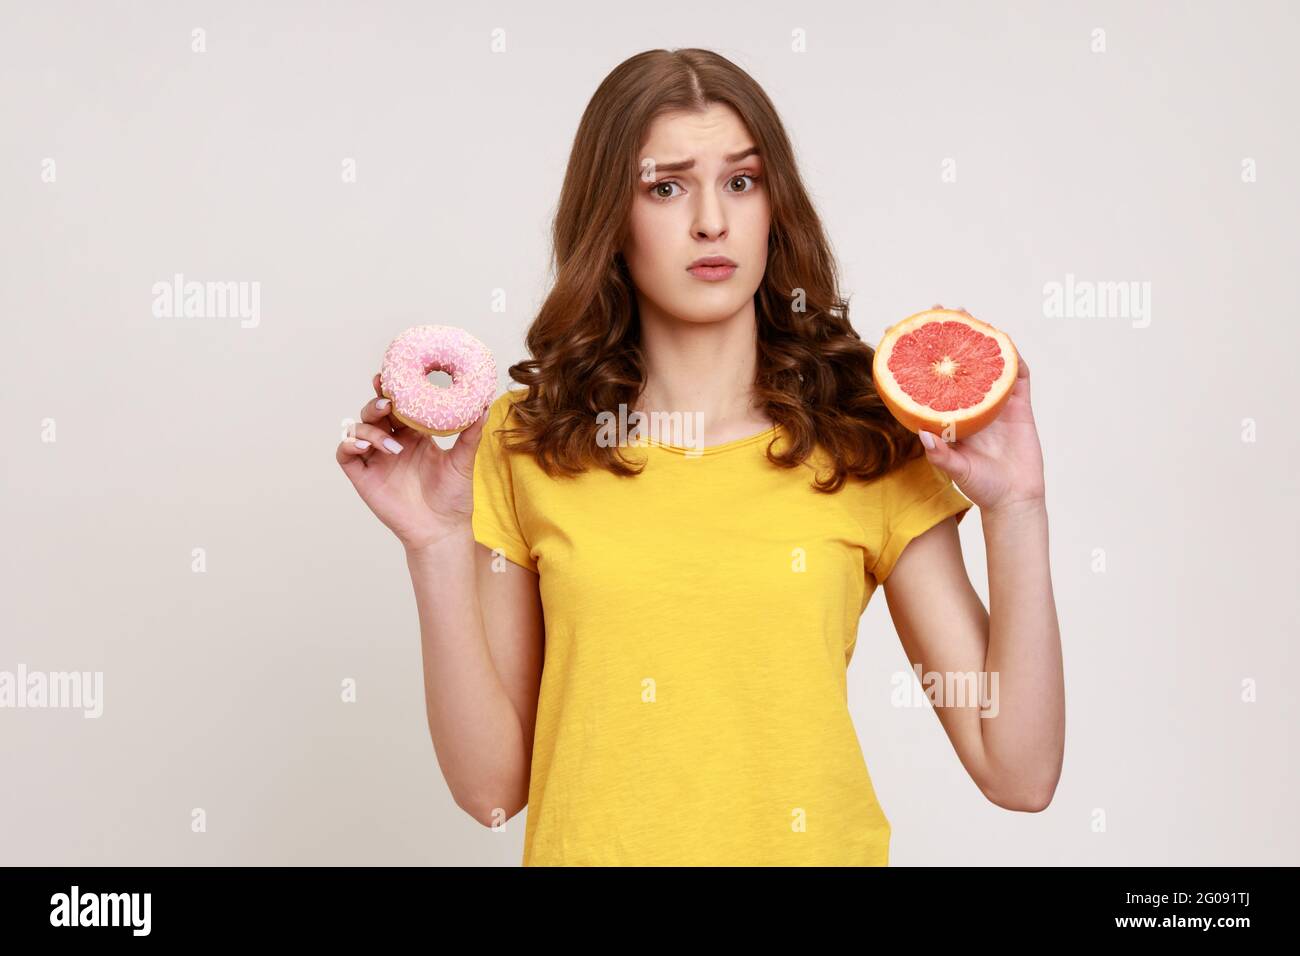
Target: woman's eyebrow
point(690, 163)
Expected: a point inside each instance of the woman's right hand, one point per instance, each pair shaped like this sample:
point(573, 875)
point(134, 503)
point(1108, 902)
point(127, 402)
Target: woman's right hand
point(421, 492)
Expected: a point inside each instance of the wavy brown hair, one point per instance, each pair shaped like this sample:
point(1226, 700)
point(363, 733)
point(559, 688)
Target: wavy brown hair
point(813, 372)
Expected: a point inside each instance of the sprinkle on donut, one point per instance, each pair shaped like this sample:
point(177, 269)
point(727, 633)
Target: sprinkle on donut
point(429, 408)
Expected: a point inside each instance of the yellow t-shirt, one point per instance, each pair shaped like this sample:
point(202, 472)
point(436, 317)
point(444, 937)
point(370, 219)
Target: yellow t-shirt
point(699, 619)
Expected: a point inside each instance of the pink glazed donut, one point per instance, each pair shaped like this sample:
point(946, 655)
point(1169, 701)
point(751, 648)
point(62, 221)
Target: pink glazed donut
point(431, 409)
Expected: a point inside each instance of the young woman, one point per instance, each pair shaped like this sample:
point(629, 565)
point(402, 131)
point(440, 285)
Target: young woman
point(696, 602)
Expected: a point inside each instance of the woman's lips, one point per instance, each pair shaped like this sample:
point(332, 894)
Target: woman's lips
point(712, 273)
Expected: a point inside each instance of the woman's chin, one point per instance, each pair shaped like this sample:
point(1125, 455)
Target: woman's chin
point(705, 309)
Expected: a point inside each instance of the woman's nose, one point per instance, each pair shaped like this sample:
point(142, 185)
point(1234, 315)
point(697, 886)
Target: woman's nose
point(710, 222)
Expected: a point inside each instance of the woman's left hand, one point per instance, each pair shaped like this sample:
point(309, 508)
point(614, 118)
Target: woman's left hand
point(1001, 465)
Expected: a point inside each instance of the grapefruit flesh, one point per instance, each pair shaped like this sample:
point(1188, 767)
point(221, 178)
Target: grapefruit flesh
point(945, 371)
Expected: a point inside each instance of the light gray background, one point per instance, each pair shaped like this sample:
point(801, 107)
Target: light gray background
point(222, 689)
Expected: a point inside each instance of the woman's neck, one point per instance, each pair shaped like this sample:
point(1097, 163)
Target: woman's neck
point(703, 369)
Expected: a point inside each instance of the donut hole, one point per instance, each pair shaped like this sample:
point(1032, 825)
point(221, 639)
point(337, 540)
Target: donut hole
point(439, 378)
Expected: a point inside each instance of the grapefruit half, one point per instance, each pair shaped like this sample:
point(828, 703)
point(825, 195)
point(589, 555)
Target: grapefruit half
point(945, 371)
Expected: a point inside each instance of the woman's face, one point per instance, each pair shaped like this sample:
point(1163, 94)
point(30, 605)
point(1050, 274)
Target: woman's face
point(715, 205)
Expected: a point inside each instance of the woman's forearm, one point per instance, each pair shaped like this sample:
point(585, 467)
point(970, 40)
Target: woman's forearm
point(1025, 742)
point(477, 736)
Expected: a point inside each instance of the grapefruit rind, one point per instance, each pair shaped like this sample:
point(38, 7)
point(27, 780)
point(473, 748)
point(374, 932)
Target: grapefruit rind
point(956, 424)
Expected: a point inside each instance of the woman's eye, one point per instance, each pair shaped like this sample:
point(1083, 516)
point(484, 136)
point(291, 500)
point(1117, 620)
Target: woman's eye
point(655, 190)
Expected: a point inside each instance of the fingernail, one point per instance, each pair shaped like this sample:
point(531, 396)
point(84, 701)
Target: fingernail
point(361, 443)
point(392, 445)
point(381, 403)
point(927, 439)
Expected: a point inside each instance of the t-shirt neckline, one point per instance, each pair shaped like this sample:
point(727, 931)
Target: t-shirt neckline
point(713, 449)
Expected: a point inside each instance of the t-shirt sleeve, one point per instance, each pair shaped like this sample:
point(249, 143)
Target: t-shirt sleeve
point(495, 517)
point(914, 497)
